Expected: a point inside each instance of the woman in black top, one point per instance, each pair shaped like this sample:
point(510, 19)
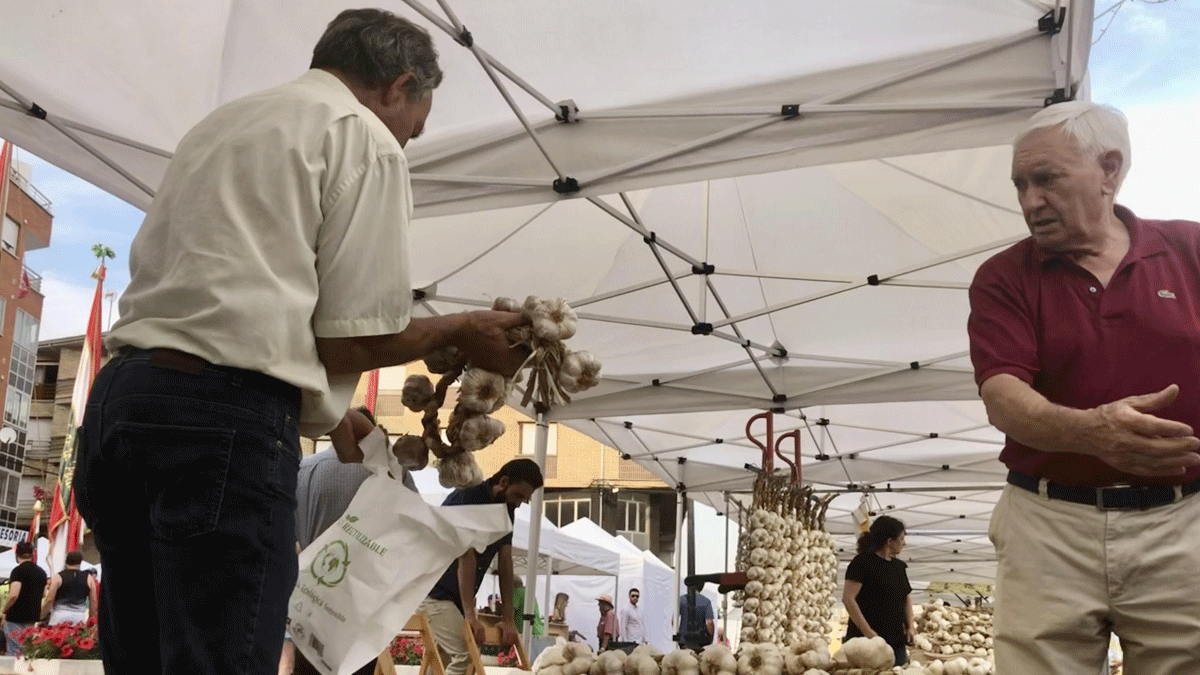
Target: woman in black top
point(877, 590)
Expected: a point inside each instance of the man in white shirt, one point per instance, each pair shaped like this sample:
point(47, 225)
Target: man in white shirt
point(270, 272)
point(633, 628)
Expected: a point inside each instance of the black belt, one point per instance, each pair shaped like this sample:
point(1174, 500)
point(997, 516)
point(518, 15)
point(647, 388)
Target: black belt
point(1123, 497)
point(194, 365)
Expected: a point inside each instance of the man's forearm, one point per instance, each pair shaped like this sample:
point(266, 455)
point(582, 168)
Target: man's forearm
point(1028, 417)
point(420, 337)
point(507, 610)
point(466, 584)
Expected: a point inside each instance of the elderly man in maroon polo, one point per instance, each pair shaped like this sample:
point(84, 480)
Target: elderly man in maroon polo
point(1085, 339)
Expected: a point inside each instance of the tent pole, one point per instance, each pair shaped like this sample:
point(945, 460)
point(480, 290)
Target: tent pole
point(541, 439)
point(548, 607)
point(728, 567)
point(678, 558)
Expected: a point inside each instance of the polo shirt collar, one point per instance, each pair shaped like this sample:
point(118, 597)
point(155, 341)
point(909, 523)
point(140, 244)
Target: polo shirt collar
point(328, 80)
point(1144, 241)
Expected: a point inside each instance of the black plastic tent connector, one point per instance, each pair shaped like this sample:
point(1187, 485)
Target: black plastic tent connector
point(566, 186)
point(915, 365)
point(629, 425)
point(702, 329)
point(656, 382)
point(37, 111)
point(418, 294)
point(718, 441)
point(852, 456)
point(567, 112)
point(933, 434)
point(1059, 96)
point(779, 410)
point(945, 467)
point(681, 460)
point(952, 497)
point(823, 422)
point(873, 280)
point(703, 268)
point(465, 39)
point(790, 110)
point(626, 455)
point(651, 238)
point(1051, 25)
point(779, 398)
point(822, 458)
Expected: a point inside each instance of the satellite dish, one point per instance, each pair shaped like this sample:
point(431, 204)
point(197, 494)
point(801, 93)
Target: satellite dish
point(8, 435)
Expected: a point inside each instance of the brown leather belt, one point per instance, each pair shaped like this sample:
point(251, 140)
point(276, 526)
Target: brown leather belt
point(164, 357)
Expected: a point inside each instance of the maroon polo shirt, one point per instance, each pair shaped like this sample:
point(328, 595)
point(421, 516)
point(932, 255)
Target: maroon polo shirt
point(1049, 322)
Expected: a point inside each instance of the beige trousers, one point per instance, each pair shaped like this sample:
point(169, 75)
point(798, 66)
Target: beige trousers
point(1069, 575)
point(446, 624)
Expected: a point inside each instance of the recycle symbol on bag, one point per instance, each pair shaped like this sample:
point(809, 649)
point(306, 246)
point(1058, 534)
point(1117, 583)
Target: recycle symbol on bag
point(329, 567)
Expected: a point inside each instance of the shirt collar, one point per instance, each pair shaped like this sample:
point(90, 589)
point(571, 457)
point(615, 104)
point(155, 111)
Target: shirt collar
point(1144, 241)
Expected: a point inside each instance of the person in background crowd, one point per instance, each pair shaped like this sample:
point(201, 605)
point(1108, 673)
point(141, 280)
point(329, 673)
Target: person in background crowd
point(1084, 338)
point(699, 626)
point(538, 629)
point(631, 623)
point(270, 272)
point(23, 608)
point(607, 630)
point(559, 615)
point(452, 599)
point(70, 593)
point(877, 594)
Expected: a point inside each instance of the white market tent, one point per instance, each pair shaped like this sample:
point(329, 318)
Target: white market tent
point(559, 553)
point(755, 205)
point(640, 570)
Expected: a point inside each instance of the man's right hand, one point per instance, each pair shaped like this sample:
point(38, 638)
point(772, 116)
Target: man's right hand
point(1128, 438)
point(481, 338)
point(476, 629)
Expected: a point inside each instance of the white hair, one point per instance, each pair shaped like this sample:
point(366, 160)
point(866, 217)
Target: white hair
point(1096, 128)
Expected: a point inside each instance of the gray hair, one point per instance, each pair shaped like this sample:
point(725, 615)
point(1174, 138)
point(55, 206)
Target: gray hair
point(374, 47)
point(1095, 128)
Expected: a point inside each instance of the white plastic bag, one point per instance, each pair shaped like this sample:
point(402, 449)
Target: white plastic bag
point(363, 578)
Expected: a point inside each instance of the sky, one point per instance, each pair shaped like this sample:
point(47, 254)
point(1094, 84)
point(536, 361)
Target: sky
point(1147, 64)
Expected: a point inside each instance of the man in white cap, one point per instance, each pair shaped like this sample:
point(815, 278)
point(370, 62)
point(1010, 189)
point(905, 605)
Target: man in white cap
point(607, 630)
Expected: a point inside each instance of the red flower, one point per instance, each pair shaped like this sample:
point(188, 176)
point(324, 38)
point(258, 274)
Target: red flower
point(91, 620)
point(87, 643)
point(67, 652)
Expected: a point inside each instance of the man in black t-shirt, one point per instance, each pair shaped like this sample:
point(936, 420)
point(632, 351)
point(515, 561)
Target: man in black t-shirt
point(453, 597)
point(25, 587)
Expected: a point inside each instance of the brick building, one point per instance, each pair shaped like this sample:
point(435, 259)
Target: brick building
point(26, 227)
point(584, 478)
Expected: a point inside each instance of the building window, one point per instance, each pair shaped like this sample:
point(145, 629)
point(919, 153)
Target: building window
point(564, 510)
point(16, 413)
point(635, 519)
point(528, 432)
point(529, 439)
point(10, 232)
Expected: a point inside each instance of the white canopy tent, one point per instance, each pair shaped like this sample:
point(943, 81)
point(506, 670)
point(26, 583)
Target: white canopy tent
point(640, 570)
point(833, 289)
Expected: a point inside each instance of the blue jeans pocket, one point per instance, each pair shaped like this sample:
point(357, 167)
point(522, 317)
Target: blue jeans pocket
point(184, 469)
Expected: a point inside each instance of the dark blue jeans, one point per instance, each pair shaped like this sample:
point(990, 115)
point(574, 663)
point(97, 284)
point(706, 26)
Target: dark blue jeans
point(188, 479)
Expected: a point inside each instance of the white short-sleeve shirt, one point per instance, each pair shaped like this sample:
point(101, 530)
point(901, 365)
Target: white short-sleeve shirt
point(283, 217)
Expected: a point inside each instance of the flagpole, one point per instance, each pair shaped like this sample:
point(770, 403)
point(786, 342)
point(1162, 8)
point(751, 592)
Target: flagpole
point(65, 530)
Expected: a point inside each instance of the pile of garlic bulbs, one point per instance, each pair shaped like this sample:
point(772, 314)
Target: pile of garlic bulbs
point(944, 630)
point(863, 656)
point(555, 373)
point(790, 562)
point(565, 658)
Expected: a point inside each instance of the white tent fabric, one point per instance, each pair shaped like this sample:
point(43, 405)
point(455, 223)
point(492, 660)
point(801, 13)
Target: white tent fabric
point(865, 79)
point(639, 570)
point(833, 289)
point(567, 553)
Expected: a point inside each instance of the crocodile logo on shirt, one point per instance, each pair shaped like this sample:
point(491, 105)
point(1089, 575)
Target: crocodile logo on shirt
point(1166, 294)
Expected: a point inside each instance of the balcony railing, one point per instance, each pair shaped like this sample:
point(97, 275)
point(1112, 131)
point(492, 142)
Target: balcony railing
point(34, 193)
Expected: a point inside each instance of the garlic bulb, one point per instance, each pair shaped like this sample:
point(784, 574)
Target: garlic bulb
point(417, 393)
point(479, 431)
point(506, 305)
point(580, 371)
point(460, 471)
point(411, 451)
point(482, 391)
point(550, 319)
